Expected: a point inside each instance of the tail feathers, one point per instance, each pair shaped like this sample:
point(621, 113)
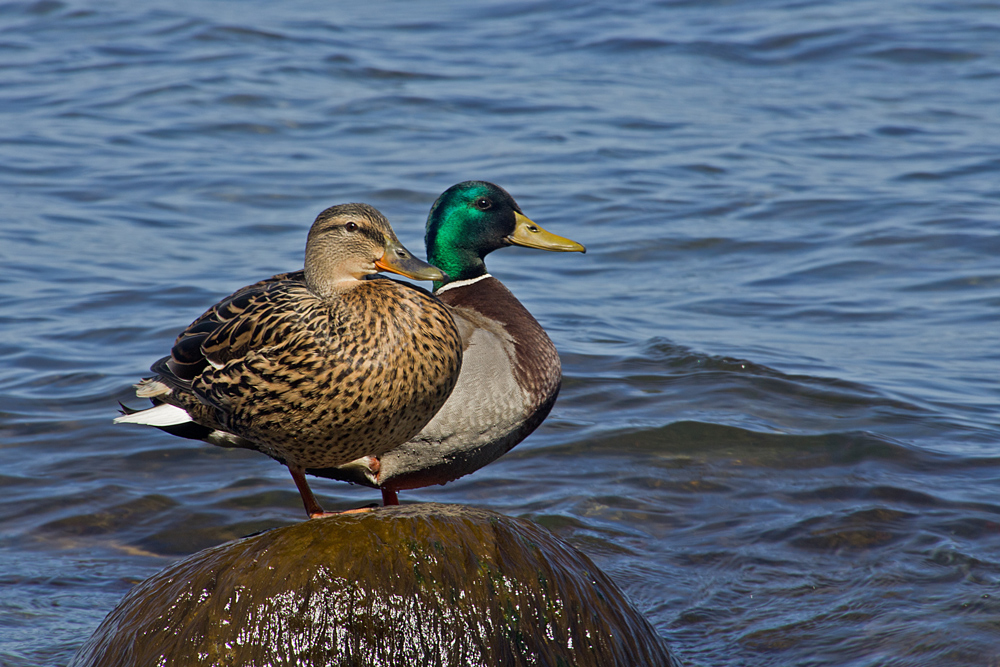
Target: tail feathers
point(151, 388)
point(159, 416)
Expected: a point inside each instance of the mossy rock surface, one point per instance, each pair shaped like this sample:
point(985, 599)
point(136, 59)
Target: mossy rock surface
point(418, 585)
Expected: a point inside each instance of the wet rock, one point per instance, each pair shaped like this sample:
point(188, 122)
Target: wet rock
point(412, 585)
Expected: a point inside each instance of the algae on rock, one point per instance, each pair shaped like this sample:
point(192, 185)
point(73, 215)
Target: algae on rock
point(422, 585)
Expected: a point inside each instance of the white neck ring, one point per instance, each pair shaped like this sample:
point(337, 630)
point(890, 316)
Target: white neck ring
point(462, 283)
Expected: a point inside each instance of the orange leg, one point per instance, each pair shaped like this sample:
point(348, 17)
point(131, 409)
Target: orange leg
point(313, 508)
point(389, 496)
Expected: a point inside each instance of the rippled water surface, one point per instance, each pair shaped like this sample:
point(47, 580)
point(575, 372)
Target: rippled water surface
point(780, 417)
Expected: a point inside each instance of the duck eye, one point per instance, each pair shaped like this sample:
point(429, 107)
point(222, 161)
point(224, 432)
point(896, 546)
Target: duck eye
point(484, 204)
point(351, 226)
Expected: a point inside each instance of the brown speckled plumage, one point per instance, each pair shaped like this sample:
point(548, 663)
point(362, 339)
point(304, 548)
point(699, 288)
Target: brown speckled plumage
point(316, 380)
point(316, 383)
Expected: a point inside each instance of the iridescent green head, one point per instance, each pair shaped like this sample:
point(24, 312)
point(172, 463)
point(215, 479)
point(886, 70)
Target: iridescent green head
point(472, 219)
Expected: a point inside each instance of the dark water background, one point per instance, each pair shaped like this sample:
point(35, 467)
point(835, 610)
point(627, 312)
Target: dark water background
point(779, 422)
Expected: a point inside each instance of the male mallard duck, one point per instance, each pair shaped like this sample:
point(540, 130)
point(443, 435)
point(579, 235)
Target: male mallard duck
point(318, 367)
point(510, 371)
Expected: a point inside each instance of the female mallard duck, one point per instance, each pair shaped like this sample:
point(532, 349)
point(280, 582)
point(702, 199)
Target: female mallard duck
point(318, 367)
point(510, 371)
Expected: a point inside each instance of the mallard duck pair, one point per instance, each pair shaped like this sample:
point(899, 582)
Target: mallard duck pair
point(339, 374)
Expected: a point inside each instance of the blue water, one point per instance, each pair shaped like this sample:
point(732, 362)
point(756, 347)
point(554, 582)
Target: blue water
point(780, 418)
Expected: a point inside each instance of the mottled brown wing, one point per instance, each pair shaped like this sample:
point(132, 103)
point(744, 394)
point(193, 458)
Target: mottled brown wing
point(214, 336)
point(272, 359)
